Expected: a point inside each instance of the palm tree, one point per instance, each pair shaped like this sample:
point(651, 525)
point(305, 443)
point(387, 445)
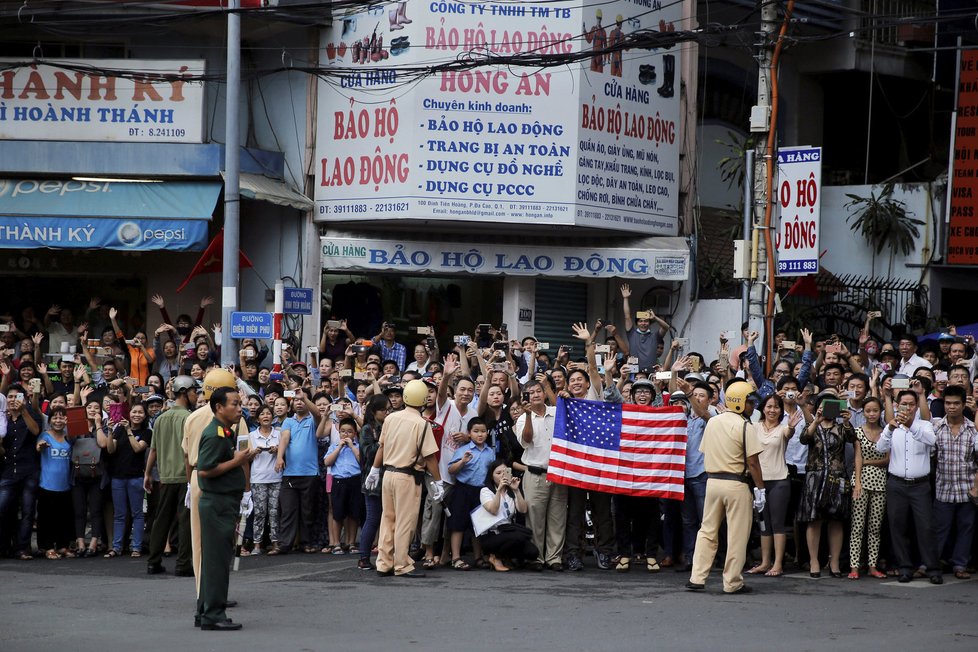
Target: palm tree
point(884, 222)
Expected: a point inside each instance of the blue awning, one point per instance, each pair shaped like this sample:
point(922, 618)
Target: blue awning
point(106, 214)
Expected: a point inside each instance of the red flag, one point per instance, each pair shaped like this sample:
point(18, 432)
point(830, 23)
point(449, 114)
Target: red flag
point(212, 260)
point(805, 286)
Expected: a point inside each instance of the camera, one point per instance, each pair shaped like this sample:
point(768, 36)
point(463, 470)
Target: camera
point(394, 380)
point(334, 323)
point(791, 395)
point(431, 343)
point(289, 393)
point(526, 397)
point(543, 346)
point(500, 346)
point(602, 348)
point(423, 330)
point(461, 340)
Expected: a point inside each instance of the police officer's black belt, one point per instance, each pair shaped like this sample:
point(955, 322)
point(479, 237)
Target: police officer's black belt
point(409, 470)
point(536, 470)
point(736, 477)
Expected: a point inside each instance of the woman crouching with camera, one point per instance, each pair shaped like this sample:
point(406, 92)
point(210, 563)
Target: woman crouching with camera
point(501, 497)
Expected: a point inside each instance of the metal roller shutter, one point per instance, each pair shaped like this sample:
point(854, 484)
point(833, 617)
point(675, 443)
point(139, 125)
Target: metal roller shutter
point(558, 305)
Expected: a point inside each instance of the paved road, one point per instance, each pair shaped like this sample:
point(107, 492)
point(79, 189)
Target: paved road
point(319, 602)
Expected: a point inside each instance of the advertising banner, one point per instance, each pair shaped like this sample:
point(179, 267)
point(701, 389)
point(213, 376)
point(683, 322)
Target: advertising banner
point(117, 233)
point(668, 262)
point(591, 143)
point(962, 231)
point(798, 186)
point(102, 100)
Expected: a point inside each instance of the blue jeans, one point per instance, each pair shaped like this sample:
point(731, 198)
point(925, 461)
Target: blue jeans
point(127, 497)
point(370, 524)
point(693, 502)
point(23, 490)
point(961, 515)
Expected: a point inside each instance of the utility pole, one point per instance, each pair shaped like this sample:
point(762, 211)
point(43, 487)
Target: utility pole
point(232, 186)
point(759, 125)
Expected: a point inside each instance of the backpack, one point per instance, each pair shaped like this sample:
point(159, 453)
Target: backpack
point(86, 458)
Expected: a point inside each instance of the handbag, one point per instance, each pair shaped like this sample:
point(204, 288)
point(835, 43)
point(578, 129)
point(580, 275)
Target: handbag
point(483, 520)
point(86, 458)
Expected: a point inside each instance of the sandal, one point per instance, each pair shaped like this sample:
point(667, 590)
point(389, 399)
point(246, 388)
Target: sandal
point(774, 573)
point(651, 565)
point(623, 564)
point(853, 574)
point(66, 554)
point(135, 553)
point(51, 554)
point(461, 564)
point(110, 554)
point(244, 552)
point(25, 557)
point(666, 562)
point(497, 565)
point(877, 574)
point(327, 550)
point(962, 575)
point(273, 551)
point(758, 570)
point(428, 563)
point(481, 563)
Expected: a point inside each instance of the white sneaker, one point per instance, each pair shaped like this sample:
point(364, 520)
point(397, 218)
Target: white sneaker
point(256, 551)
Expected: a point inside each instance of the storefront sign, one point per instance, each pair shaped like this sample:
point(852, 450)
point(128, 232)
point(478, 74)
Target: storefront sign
point(89, 99)
point(962, 231)
point(116, 233)
point(669, 263)
point(798, 189)
point(501, 143)
point(170, 199)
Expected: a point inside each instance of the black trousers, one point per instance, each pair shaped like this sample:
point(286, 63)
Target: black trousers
point(638, 529)
point(86, 495)
point(510, 544)
point(55, 519)
point(297, 500)
point(604, 527)
point(170, 509)
point(902, 501)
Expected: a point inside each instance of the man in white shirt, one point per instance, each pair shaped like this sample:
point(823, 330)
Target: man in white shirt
point(910, 442)
point(546, 501)
point(909, 360)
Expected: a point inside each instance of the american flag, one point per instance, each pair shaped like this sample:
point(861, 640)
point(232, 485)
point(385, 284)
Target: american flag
point(619, 449)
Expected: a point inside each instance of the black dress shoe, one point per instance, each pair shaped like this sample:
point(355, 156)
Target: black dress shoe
point(386, 573)
point(183, 573)
point(693, 586)
point(197, 620)
point(904, 578)
point(230, 604)
point(743, 589)
point(535, 566)
point(557, 567)
point(155, 569)
point(223, 626)
point(936, 579)
point(414, 573)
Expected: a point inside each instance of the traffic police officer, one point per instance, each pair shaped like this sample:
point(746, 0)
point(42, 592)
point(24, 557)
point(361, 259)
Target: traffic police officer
point(407, 448)
point(730, 449)
point(222, 482)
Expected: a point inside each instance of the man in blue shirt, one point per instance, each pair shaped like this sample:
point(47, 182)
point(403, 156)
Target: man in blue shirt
point(700, 412)
point(298, 461)
point(389, 349)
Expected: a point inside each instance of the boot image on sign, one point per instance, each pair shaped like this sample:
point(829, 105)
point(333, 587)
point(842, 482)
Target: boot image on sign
point(402, 14)
point(394, 16)
point(668, 76)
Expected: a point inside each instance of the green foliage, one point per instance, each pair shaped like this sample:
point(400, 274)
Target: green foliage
point(884, 221)
point(732, 167)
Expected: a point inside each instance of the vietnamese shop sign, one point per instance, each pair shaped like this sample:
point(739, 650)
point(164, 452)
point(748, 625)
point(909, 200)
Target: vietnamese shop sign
point(798, 189)
point(593, 144)
point(670, 263)
point(81, 99)
point(110, 233)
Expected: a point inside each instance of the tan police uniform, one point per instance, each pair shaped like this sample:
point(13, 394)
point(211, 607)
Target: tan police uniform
point(406, 439)
point(193, 428)
point(727, 498)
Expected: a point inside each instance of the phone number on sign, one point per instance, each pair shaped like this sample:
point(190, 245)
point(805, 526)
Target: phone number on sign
point(158, 132)
point(797, 265)
point(351, 209)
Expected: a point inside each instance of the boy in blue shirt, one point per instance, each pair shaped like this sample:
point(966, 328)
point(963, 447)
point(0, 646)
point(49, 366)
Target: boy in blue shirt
point(347, 501)
point(469, 467)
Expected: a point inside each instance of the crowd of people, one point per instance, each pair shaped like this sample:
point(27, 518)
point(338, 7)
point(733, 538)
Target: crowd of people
point(872, 443)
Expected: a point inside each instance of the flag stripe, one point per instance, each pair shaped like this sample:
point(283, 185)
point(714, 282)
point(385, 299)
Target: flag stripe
point(626, 449)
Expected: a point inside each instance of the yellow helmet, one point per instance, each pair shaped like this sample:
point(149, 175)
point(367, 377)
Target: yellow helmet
point(597, 14)
point(217, 378)
point(619, 18)
point(415, 393)
point(735, 396)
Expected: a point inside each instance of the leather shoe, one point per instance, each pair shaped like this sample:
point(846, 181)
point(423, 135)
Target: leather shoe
point(197, 620)
point(386, 573)
point(604, 561)
point(557, 567)
point(693, 586)
point(414, 573)
point(535, 566)
point(904, 578)
point(936, 579)
point(183, 573)
point(155, 569)
point(743, 589)
point(574, 563)
point(230, 604)
point(223, 626)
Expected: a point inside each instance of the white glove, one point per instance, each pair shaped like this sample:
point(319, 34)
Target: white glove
point(373, 479)
point(437, 490)
point(760, 499)
point(186, 499)
point(247, 506)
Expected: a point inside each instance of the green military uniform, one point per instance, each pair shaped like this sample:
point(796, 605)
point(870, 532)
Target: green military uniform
point(167, 442)
point(219, 505)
